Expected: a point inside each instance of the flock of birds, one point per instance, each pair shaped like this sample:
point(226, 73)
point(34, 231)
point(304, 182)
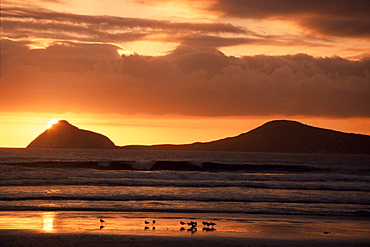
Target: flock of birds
point(148, 222)
point(207, 226)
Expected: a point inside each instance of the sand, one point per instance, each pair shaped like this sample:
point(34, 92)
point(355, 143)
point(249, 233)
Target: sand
point(26, 238)
point(24, 228)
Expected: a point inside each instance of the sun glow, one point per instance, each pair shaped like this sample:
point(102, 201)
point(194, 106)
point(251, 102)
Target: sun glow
point(48, 221)
point(51, 123)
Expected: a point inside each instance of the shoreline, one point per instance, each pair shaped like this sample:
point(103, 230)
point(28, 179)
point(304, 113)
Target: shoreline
point(13, 238)
point(35, 228)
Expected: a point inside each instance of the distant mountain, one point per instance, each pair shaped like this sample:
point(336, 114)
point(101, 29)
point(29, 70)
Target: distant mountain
point(280, 136)
point(64, 135)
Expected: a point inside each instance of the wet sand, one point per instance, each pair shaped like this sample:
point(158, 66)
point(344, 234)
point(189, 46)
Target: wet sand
point(23, 228)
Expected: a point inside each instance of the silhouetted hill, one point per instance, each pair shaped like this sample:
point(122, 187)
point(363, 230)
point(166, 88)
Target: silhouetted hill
point(64, 135)
point(281, 136)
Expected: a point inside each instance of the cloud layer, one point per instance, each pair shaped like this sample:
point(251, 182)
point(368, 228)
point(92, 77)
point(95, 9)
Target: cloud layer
point(23, 23)
point(326, 17)
point(318, 24)
point(72, 77)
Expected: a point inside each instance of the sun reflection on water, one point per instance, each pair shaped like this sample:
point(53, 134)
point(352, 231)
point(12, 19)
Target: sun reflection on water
point(48, 221)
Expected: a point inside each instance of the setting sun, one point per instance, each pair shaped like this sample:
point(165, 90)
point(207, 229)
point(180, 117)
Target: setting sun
point(51, 122)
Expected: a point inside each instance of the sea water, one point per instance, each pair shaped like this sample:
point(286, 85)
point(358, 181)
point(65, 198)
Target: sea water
point(124, 181)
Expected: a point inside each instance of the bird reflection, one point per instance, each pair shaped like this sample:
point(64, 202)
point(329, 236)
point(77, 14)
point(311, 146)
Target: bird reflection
point(192, 230)
point(206, 229)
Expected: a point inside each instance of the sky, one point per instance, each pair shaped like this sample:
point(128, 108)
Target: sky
point(182, 71)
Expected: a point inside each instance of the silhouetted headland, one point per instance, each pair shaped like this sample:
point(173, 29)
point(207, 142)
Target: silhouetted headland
point(280, 136)
point(64, 135)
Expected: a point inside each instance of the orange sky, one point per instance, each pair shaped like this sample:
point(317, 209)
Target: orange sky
point(180, 71)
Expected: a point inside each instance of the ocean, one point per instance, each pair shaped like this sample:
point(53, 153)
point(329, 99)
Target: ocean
point(120, 180)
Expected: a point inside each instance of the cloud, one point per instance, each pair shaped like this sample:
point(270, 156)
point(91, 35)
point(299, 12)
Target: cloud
point(266, 8)
point(40, 23)
point(339, 26)
point(22, 24)
point(325, 17)
point(328, 17)
point(198, 81)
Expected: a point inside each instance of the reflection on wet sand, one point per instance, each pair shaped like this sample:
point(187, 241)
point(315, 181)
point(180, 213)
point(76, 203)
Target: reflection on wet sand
point(48, 221)
point(172, 224)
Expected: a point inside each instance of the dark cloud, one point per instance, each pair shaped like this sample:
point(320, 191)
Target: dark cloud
point(281, 8)
point(70, 77)
point(329, 17)
point(339, 26)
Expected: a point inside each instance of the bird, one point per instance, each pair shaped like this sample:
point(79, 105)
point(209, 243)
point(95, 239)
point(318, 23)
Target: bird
point(102, 221)
point(154, 221)
point(192, 224)
point(146, 222)
point(212, 224)
point(182, 223)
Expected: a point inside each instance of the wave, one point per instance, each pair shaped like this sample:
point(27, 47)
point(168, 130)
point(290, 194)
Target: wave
point(14, 175)
point(169, 165)
point(180, 198)
point(328, 186)
point(265, 208)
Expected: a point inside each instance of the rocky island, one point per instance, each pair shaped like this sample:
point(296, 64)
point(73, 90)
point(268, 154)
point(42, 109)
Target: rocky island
point(64, 135)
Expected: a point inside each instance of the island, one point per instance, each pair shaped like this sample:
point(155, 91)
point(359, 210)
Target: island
point(64, 135)
point(279, 136)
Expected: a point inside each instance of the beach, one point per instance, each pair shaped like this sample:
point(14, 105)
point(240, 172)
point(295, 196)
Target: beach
point(28, 228)
point(58, 197)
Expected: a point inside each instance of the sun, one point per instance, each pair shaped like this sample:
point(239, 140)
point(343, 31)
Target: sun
point(52, 122)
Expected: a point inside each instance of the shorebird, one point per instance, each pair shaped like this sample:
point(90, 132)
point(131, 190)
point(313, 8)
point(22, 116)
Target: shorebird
point(154, 222)
point(102, 221)
point(192, 223)
point(182, 223)
point(146, 222)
